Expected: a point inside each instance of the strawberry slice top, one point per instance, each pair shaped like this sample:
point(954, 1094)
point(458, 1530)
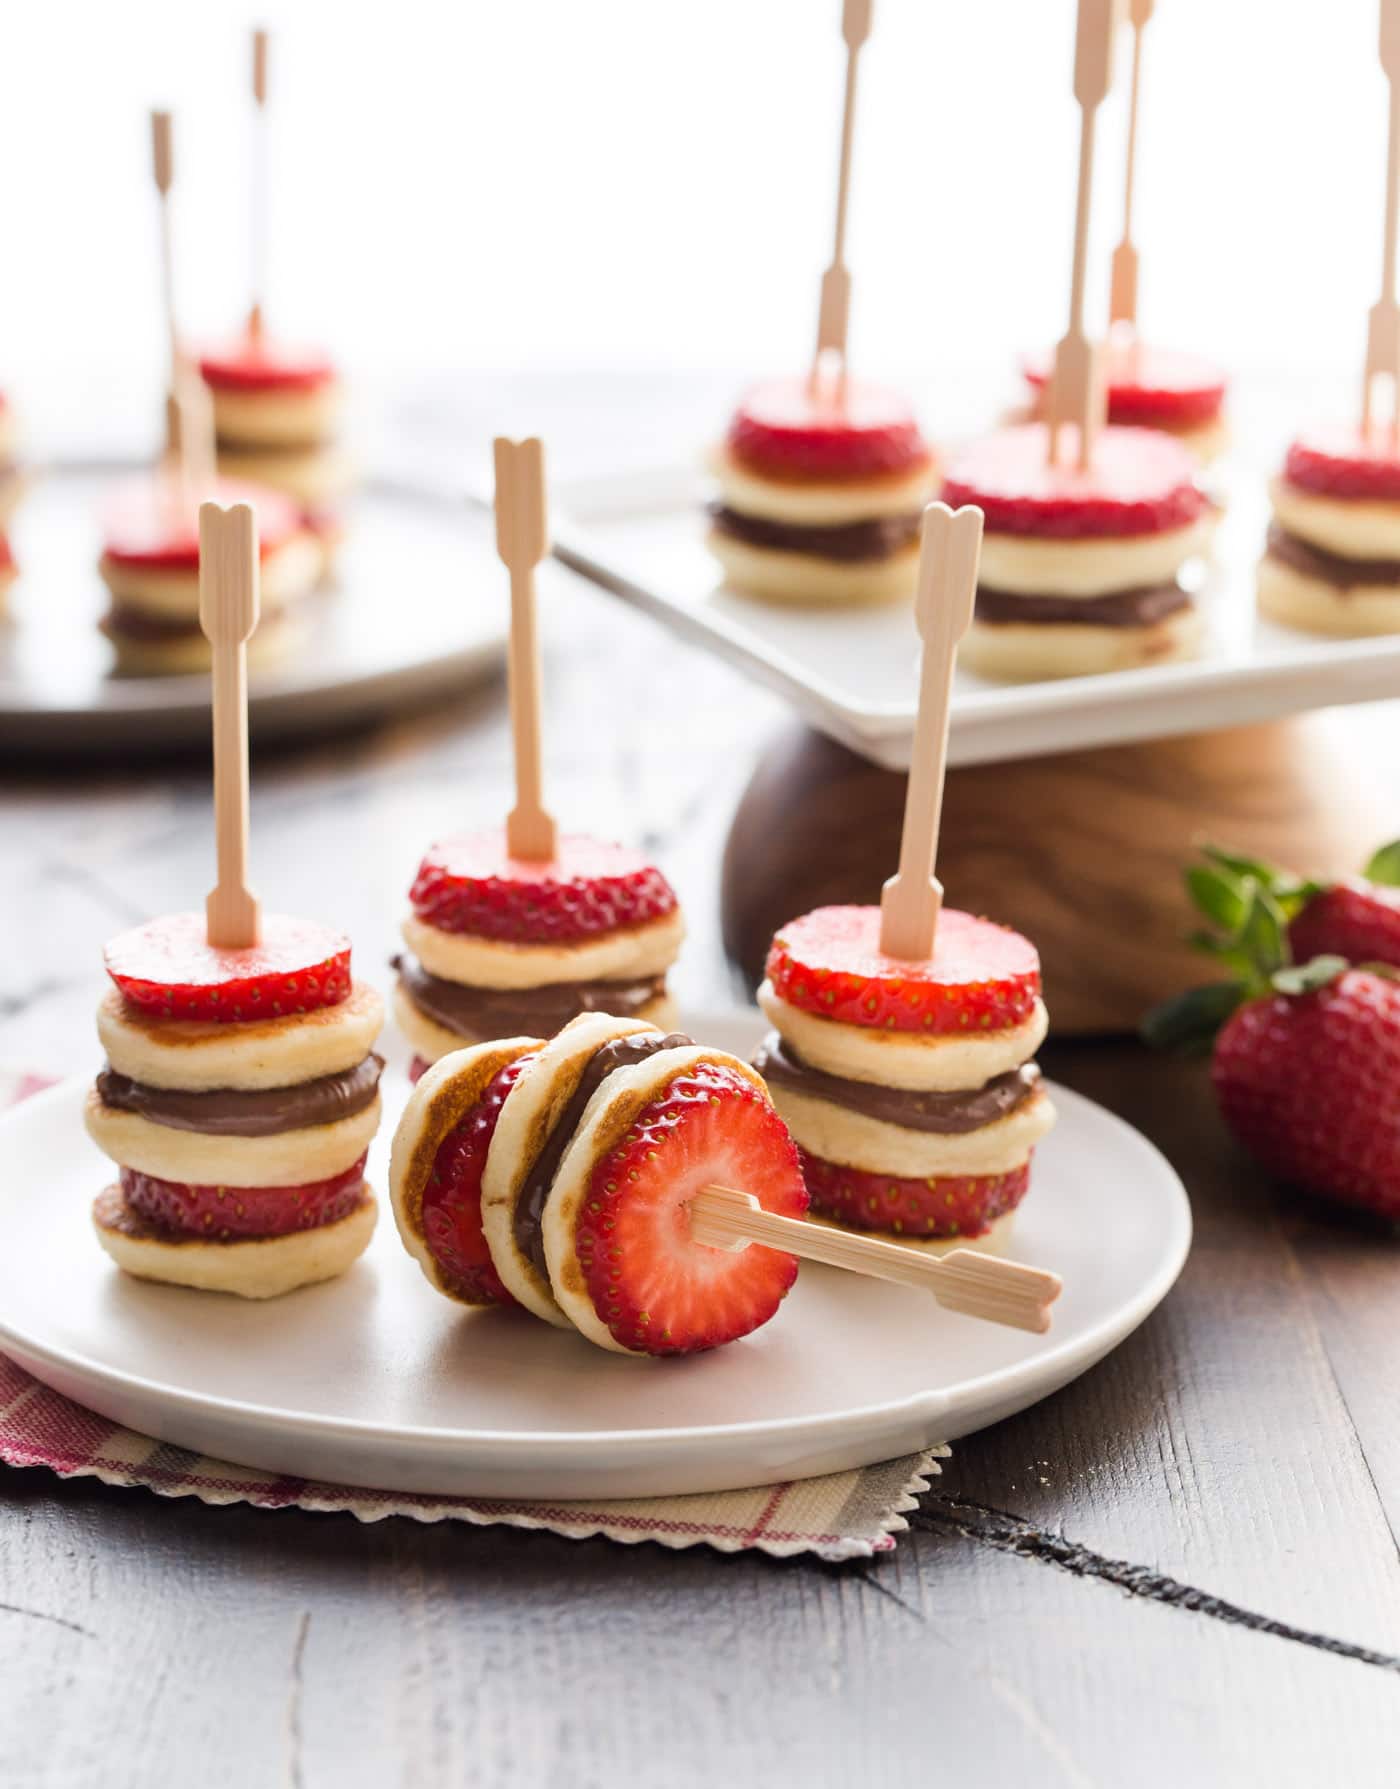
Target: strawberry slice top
point(263, 366)
point(472, 885)
point(1337, 460)
point(1149, 387)
point(1141, 482)
point(784, 429)
point(658, 1290)
point(981, 976)
point(147, 524)
point(169, 968)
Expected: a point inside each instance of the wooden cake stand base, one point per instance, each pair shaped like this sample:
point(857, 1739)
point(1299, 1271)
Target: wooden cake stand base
point(1083, 852)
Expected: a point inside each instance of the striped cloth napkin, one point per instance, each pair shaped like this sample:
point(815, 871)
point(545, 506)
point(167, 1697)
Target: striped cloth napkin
point(845, 1515)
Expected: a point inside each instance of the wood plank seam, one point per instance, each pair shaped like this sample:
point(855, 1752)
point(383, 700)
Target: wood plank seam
point(1008, 1533)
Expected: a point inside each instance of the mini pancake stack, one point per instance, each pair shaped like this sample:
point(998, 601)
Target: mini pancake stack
point(1332, 563)
point(498, 945)
point(1153, 388)
point(556, 1176)
point(1080, 571)
point(239, 1100)
point(908, 1086)
point(277, 415)
point(821, 488)
point(150, 564)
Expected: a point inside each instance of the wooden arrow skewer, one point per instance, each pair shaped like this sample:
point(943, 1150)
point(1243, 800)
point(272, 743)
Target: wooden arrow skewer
point(963, 1280)
point(189, 416)
point(1123, 279)
point(948, 556)
point(1383, 324)
point(228, 613)
point(1076, 386)
point(260, 185)
point(522, 540)
point(834, 312)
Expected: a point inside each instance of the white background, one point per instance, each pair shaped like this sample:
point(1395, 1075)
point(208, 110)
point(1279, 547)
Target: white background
point(546, 184)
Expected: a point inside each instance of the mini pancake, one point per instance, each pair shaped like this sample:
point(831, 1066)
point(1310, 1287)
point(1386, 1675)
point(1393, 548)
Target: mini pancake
point(838, 1134)
point(1354, 527)
point(443, 1097)
point(807, 579)
point(931, 1062)
point(531, 1111)
point(1025, 565)
point(199, 1057)
point(606, 1120)
point(822, 503)
point(277, 417)
point(255, 1267)
point(628, 953)
point(288, 571)
point(315, 477)
point(277, 636)
point(1317, 606)
point(287, 1158)
point(1020, 651)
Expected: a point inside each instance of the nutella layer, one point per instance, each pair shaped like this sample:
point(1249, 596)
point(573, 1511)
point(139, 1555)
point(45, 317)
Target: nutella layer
point(236, 1112)
point(504, 1012)
point(948, 1114)
point(851, 542)
point(620, 1052)
point(1329, 568)
point(144, 624)
point(1120, 608)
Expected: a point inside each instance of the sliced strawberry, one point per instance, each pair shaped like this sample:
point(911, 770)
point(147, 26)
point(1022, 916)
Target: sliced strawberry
point(1141, 482)
point(1150, 387)
point(248, 365)
point(942, 1205)
point(1310, 1084)
point(147, 524)
point(785, 429)
point(230, 1213)
point(452, 1199)
point(657, 1290)
point(1355, 920)
point(1337, 460)
point(472, 885)
point(169, 968)
point(417, 1068)
point(981, 977)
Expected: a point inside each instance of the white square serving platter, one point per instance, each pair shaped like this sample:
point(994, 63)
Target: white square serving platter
point(853, 672)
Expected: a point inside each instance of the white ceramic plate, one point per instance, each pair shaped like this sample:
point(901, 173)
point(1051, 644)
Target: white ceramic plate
point(418, 609)
point(853, 672)
point(375, 1380)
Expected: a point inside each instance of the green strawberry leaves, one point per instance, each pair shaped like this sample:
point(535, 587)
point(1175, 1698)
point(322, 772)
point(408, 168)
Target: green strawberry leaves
point(1307, 978)
point(1187, 1023)
point(1384, 867)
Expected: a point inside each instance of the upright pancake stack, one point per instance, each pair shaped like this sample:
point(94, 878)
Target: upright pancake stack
point(908, 1086)
point(820, 494)
point(277, 418)
point(557, 1176)
point(499, 946)
point(1332, 564)
point(239, 1100)
point(1081, 570)
point(150, 564)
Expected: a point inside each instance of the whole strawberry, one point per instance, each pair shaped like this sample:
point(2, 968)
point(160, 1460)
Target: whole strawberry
point(1310, 1084)
point(1306, 1030)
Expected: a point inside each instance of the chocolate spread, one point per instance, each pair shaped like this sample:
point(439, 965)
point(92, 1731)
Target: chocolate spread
point(142, 624)
point(879, 538)
point(1331, 568)
point(505, 1012)
point(618, 1052)
point(1120, 608)
point(949, 1114)
point(243, 1112)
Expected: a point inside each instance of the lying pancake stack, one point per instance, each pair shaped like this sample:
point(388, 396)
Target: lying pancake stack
point(239, 1100)
point(557, 1176)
